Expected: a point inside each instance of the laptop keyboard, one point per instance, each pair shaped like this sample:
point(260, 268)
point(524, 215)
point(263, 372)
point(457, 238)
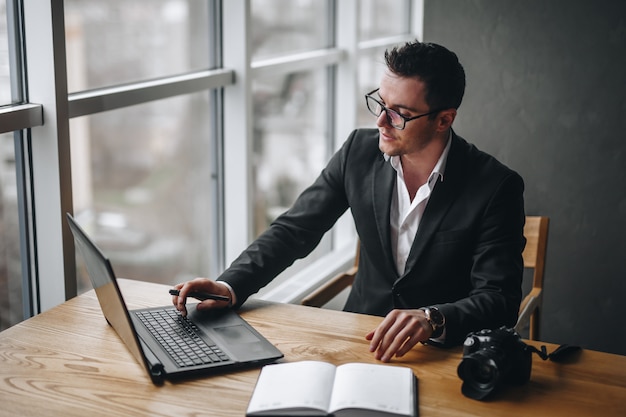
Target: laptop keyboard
point(181, 338)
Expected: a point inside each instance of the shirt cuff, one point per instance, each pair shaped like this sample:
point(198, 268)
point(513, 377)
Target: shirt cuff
point(441, 339)
point(233, 297)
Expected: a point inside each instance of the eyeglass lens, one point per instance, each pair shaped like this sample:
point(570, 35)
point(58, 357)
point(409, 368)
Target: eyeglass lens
point(377, 108)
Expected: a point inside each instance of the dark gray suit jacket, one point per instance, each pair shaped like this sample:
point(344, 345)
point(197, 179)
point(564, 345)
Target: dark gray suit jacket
point(466, 258)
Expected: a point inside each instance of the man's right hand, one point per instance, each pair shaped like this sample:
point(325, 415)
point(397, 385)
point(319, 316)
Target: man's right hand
point(203, 285)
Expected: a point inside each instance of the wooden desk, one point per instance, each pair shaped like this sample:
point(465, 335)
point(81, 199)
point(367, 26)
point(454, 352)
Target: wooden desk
point(69, 362)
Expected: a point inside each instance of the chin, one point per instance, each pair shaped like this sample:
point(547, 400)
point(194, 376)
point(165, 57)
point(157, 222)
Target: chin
point(385, 144)
point(386, 148)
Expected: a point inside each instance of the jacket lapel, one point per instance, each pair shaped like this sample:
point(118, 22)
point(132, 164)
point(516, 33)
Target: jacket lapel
point(383, 184)
point(440, 201)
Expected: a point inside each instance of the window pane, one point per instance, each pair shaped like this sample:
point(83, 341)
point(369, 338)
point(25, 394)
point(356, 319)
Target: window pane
point(10, 259)
point(5, 81)
point(141, 182)
point(117, 41)
point(381, 18)
point(290, 146)
point(11, 308)
point(290, 140)
point(281, 27)
point(371, 69)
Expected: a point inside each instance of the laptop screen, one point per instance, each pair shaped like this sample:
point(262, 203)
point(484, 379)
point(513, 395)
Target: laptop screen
point(110, 298)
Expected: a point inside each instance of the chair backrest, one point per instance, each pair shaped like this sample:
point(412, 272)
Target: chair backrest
point(536, 234)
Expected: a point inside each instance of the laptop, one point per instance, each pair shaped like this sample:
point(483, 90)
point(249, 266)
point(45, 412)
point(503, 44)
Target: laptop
point(167, 344)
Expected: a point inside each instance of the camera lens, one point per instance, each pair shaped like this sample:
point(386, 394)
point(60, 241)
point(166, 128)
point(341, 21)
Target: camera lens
point(482, 373)
point(480, 376)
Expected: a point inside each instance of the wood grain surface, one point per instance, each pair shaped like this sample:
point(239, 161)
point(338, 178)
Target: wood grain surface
point(69, 362)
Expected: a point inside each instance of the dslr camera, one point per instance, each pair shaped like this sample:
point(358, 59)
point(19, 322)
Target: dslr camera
point(491, 359)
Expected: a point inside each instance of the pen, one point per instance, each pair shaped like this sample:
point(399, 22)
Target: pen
point(202, 295)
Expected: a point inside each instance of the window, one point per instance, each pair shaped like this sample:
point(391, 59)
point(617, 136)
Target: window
point(119, 41)
point(142, 180)
point(371, 69)
point(281, 27)
point(141, 175)
point(290, 140)
point(188, 127)
point(11, 305)
point(290, 134)
point(383, 18)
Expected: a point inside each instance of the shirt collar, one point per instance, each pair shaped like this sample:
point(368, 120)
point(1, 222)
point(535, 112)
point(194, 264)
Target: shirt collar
point(439, 168)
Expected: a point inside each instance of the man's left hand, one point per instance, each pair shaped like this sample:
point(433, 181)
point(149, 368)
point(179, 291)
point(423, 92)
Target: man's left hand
point(399, 331)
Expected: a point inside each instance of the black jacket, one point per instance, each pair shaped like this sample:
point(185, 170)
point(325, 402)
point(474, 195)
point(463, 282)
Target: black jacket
point(466, 258)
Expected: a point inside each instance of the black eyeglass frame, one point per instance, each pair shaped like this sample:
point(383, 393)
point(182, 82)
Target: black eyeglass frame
point(387, 110)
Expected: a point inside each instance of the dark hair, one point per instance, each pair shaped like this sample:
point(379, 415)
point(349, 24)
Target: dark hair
point(438, 67)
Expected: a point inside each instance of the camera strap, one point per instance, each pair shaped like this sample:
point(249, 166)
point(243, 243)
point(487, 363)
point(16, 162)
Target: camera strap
point(558, 355)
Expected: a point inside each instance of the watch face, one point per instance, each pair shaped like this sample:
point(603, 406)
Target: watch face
point(436, 317)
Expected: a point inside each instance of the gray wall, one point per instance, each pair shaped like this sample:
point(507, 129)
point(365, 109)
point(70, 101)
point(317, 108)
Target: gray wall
point(546, 95)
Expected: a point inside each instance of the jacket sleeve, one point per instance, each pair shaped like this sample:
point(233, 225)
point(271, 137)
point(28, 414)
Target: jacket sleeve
point(294, 234)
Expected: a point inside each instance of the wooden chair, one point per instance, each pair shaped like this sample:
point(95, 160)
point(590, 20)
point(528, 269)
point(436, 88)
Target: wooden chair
point(536, 233)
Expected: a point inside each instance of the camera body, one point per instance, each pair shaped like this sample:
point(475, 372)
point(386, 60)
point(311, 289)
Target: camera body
point(492, 358)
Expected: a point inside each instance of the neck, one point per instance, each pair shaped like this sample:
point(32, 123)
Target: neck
point(417, 166)
point(422, 161)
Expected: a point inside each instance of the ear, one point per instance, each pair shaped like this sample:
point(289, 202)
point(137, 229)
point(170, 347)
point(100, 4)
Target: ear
point(445, 119)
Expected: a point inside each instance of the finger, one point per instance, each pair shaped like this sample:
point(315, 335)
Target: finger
point(197, 284)
point(181, 304)
point(408, 345)
point(387, 332)
point(180, 301)
point(379, 332)
point(377, 337)
point(202, 285)
point(406, 331)
point(413, 332)
point(410, 342)
point(391, 342)
point(175, 297)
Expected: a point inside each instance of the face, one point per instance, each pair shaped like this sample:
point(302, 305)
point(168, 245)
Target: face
point(407, 96)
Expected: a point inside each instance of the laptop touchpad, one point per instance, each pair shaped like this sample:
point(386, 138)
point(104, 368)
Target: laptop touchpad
point(236, 334)
point(243, 344)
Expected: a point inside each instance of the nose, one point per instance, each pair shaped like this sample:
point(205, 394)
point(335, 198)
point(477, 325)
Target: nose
point(382, 119)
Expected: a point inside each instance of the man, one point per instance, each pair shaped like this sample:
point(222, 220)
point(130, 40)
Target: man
point(440, 223)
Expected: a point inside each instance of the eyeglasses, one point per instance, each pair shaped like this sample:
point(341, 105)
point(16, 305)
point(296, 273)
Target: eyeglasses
point(394, 118)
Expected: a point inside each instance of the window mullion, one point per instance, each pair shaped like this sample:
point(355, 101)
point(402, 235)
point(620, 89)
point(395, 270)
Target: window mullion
point(237, 128)
point(20, 117)
point(417, 19)
point(51, 172)
point(115, 97)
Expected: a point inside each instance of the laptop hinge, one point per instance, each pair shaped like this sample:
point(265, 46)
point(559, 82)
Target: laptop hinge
point(155, 367)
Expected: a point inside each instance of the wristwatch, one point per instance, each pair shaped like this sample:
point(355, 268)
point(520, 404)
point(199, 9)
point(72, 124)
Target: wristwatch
point(436, 320)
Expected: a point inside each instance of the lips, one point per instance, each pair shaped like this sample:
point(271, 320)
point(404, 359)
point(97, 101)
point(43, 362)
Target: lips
point(386, 137)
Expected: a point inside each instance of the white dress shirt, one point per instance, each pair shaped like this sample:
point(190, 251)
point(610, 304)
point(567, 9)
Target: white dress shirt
point(405, 215)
